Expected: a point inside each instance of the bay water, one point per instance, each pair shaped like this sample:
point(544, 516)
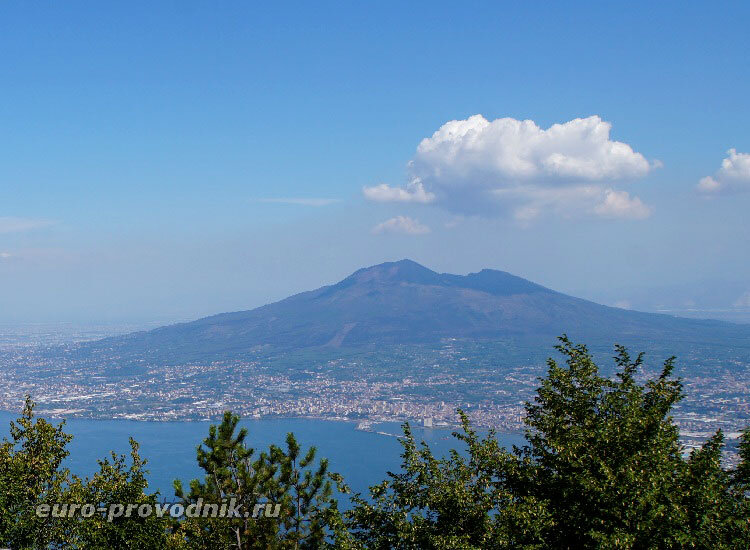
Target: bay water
point(362, 457)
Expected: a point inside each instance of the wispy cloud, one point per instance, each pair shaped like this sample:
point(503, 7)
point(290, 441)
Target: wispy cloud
point(413, 192)
point(401, 224)
point(300, 200)
point(744, 300)
point(19, 225)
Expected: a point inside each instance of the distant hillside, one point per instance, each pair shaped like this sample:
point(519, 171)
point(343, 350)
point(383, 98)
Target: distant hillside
point(404, 302)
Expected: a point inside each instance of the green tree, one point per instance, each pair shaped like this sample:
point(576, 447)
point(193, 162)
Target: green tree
point(739, 524)
point(31, 475)
point(134, 519)
point(460, 501)
point(712, 507)
point(602, 468)
point(284, 501)
point(304, 493)
point(41, 503)
point(606, 453)
point(231, 472)
point(741, 476)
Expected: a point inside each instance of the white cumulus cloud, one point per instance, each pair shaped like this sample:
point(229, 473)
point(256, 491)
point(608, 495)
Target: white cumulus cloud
point(401, 224)
point(734, 175)
point(506, 151)
point(413, 192)
point(509, 166)
point(619, 204)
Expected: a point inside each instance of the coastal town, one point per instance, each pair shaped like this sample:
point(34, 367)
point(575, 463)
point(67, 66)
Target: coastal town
point(424, 386)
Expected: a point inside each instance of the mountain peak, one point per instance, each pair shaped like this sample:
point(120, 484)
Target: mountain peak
point(404, 302)
point(401, 271)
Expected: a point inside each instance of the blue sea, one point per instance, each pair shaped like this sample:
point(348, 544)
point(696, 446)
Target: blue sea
point(362, 457)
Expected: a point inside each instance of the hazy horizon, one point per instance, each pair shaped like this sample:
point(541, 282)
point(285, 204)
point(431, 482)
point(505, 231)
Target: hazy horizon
point(658, 300)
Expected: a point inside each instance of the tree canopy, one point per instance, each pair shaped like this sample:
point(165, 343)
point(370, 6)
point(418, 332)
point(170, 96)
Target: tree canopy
point(602, 467)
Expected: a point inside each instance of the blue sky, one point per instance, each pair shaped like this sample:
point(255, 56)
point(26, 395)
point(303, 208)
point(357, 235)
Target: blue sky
point(149, 151)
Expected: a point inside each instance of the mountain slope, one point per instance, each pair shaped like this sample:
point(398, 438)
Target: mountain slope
point(404, 302)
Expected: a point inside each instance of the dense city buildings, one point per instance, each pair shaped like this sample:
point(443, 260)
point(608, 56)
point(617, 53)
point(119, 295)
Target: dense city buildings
point(420, 384)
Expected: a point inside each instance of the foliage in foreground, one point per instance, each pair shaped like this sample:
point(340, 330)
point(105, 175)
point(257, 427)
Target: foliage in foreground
point(292, 496)
point(601, 468)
